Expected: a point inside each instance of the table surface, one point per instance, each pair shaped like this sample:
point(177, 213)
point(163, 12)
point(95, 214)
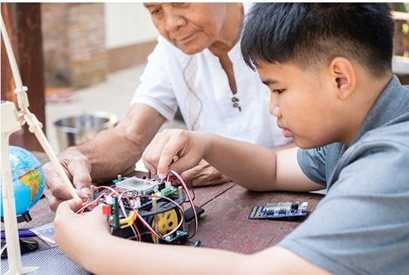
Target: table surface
point(224, 224)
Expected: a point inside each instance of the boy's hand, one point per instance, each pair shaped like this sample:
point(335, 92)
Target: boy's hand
point(173, 149)
point(73, 232)
point(203, 175)
point(77, 168)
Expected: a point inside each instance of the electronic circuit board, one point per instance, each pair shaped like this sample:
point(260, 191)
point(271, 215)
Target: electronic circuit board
point(279, 210)
point(146, 209)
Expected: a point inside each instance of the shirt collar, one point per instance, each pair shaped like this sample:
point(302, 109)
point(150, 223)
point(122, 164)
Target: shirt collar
point(393, 102)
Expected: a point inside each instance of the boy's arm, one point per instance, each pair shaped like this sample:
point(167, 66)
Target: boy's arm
point(251, 166)
point(127, 257)
point(258, 168)
point(112, 255)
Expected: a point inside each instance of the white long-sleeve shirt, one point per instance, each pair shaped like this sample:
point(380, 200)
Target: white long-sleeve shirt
point(199, 86)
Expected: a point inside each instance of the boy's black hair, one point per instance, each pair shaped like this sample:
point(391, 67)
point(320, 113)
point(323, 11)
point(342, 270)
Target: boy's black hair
point(304, 33)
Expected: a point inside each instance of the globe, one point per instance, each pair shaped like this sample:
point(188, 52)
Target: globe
point(28, 179)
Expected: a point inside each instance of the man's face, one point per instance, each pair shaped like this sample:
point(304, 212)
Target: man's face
point(191, 27)
point(303, 102)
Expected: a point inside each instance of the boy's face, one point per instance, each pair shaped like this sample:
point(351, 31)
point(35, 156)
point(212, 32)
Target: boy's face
point(303, 102)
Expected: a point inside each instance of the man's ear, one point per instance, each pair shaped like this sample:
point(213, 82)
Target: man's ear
point(343, 77)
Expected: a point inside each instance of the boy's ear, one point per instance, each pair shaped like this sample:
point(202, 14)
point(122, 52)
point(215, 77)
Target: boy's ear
point(343, 75)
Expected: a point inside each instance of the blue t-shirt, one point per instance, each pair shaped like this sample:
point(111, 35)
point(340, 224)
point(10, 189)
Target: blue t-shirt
point(362, 224)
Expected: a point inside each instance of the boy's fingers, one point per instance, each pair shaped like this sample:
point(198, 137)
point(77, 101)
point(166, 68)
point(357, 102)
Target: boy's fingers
point(97, 211)
point(183, 163)
point(68, 206)
point(152, 153)
point(169, 152)
point(150, 167)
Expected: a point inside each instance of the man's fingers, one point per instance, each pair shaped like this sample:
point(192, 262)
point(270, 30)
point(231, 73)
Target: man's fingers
point(51, 175)
point(53, 202)
point(86, 191)
point(205, 181)
point(190, 174)
point(207, 175)
point(82, 180)
point(59, 190)
point(54, 183)
point(81, 173)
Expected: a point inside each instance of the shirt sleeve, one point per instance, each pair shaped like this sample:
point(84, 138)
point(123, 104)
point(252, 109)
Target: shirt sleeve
point(312, 163)
point(156, 88)
point(362, 225)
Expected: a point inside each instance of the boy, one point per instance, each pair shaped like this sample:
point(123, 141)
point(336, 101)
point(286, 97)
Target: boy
point(328, 67)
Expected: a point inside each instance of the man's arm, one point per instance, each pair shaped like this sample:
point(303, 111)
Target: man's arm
point(116, 151)
point(251, 166)
point(110, 153)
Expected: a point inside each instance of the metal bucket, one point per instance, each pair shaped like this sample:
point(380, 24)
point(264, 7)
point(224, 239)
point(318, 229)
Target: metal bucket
point(75, 130)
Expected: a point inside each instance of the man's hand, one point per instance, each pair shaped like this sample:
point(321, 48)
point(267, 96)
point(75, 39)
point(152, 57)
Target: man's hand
point(203, 175)
point(77, 168)
point(173, 149)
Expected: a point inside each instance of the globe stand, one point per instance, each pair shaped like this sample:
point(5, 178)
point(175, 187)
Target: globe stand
point(25, 217)
point(10, 124)
point(11, 121)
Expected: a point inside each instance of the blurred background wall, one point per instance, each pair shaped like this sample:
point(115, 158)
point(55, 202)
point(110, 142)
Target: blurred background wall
point(83, 42)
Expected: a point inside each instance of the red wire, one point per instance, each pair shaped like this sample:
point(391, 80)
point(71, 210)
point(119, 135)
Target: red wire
point(190, 199)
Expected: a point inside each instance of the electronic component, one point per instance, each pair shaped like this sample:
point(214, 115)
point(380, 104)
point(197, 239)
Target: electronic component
point(145, 209)
point(27, 245)
point(190, 215)
point(279, 210)
point(140, 185)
